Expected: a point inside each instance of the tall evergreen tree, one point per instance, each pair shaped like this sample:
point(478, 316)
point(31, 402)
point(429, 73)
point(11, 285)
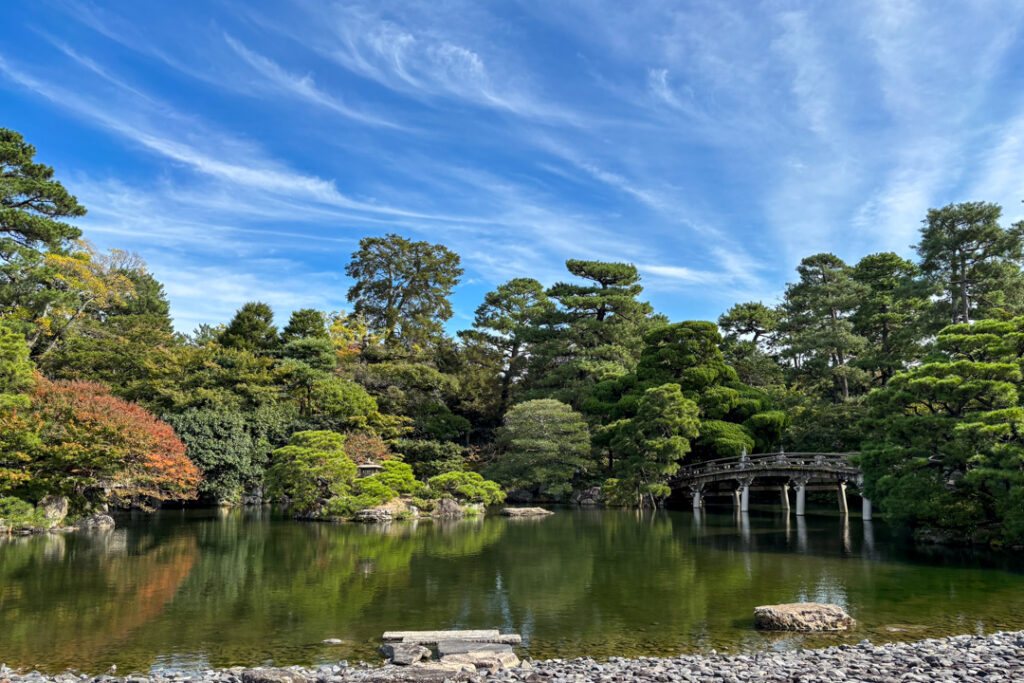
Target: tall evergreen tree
point(33, 212)
point(305, 323)
point(252, 329)
point(595, 334)
point(818, 333)
point(501, 330)
point(544, 446)
point(891, 315)
point(973, 260)
point(402, 288)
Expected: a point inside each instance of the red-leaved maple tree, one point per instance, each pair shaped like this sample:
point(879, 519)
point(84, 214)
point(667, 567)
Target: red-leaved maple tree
point(96, 448)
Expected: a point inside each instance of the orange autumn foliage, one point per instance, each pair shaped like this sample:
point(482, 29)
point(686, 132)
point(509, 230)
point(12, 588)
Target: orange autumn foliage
point(95, 447)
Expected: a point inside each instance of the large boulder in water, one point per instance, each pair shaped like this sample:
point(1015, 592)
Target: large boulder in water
point(526, 512)
point(95, 522)
point(372, 516)
point(54, 508)
point(802, 616)
point(405, 654)
point(448, 508)
point(272, 675)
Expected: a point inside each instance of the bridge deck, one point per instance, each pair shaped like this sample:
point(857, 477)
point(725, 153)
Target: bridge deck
point(810, 466)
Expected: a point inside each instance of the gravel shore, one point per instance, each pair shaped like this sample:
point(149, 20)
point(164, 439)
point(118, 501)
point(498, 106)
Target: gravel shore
point(995, 657)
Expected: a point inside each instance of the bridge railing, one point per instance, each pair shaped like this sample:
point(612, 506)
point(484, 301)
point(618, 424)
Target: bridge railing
point(766, 461)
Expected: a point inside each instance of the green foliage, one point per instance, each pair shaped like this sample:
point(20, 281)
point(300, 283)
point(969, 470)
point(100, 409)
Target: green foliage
point(230, 447)
point(119, 345)
point(594, 335)
point(751, 320)
point(544, 446)
point(430, 458)
point(312, 467)
point(651, 445)
point(945, 446)
point(252, 329)
point(973, 261)
point(16, 514)
point(33, 210)
point(402, 287)
point(892, 314)
point(467, 487)
point(17, 372)
point(501, 333)
point(305, 323)
point(399, 477)
point(820, 340)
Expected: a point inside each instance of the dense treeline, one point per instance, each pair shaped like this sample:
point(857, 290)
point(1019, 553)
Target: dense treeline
point(917, 365)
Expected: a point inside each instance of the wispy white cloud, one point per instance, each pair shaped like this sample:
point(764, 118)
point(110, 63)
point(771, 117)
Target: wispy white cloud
point(302, 86)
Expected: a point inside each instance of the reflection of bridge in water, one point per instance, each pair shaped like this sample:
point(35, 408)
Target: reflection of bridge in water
point(735, 476)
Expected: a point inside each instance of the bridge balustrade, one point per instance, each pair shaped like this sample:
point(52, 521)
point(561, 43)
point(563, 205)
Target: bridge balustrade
point(795, 468)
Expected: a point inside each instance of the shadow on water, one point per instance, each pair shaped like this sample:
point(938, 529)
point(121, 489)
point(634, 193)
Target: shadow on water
point(186, 589)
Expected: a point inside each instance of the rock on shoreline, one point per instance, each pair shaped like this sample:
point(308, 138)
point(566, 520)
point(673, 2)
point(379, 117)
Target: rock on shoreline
point(995, 657)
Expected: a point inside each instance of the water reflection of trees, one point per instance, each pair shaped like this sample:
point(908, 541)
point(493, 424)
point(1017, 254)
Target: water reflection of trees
point(245, 587)
point(69, 600)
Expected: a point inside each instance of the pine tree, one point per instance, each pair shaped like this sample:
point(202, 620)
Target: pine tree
point(594, 335)
point(252, 329)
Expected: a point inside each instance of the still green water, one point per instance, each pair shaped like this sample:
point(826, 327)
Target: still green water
point(182, 590)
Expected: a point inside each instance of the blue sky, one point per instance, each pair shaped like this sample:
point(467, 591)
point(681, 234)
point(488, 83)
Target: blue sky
point(242, 148)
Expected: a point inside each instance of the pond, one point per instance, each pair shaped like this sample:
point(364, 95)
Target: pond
point(190, 589)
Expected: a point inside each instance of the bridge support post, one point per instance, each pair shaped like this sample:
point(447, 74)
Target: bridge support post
point(865, 509)
point(744, 489)
point(736, 499)
point(697, 499)
point(784, 491)
point(844, 509)
point(801, 494)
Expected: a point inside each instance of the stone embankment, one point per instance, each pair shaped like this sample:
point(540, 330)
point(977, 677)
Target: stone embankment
point(996, 657)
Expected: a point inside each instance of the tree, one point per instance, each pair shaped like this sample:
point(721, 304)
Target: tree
point(543, 447)
point(17, 372)
point(402, 287)
point(467, 487)
point(119, 344)
point(818, 332)
point(81, 284)
point(945, 439)
point(33, 210)
point(653, 442)
point(733, 416)
point(891, 314)
point(595, 334)
point(751, 320)
point(430, 458)
point(312, 467)
point(973, 260)
point(94, 448)
point(252, 329)
point(227, 446)
point(305, 323)
point(501, 329)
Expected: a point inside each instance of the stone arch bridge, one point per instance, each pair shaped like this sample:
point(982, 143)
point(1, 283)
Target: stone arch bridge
point(782, 470)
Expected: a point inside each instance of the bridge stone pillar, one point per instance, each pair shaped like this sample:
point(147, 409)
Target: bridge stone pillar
point(844, 508)
point(736, 499)
point(801, 495)
point(784, 491)
point(865, 509)
point(696, 490)
point(744, 489)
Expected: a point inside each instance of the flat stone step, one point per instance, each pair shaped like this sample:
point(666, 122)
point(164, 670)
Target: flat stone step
point(465, 647)
point(434, 637)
